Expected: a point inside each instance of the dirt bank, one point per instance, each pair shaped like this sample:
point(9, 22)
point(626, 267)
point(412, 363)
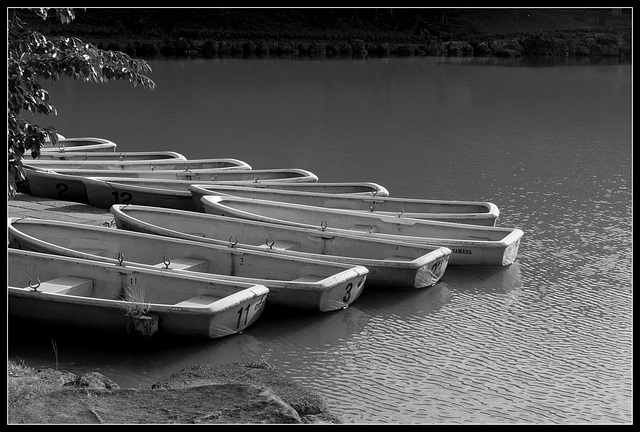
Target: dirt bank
point(235, 393)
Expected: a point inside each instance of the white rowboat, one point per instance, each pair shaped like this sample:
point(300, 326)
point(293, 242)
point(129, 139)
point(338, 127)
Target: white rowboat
point(195, 175)
point(104, 192)
point(82, 144)
point(109, 156)
point(175, 194)
point(469, 244)
point(391, 264)
point(68, 185)
point(470, 212)
point(58, 290)
point(139, 165)
point(343, 188)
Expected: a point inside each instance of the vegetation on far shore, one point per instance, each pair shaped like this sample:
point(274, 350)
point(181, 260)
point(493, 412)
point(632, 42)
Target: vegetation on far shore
point(146, 32)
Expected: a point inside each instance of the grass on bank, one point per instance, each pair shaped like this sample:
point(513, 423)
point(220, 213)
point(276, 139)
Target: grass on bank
point(23, 383)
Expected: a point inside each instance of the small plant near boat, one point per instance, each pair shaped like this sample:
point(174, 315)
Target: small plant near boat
point(133, 302)
point(141, 327)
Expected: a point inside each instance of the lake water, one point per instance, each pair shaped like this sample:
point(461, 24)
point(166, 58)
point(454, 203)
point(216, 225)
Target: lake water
point(547, 340)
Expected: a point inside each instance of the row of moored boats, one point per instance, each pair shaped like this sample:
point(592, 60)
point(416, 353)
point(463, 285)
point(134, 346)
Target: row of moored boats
point(204, 244)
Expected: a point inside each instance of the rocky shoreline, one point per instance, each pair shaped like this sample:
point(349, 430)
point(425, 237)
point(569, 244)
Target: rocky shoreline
point(234, 393)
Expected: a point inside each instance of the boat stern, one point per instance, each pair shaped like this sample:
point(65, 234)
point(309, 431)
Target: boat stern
point(345, 293)
point(237, 312)
point(511, 251)
point(431, 273)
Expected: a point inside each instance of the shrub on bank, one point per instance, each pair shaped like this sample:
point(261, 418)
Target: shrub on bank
point(556, 44)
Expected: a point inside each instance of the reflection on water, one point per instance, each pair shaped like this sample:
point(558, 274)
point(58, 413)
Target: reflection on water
point(545, 340)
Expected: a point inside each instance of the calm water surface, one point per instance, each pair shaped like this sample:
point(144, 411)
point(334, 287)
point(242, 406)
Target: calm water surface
point(545, 340)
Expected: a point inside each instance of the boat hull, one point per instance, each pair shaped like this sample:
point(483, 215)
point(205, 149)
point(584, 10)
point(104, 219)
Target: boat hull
point(391, 264)
point(344, 188)
point(196, 175)
point(70, 185)
point(50, 184)
point(469, 244)
point(57, 290)
point(110, 156)
point(469, 212)
point(81, 144)
point(133, 165)
point(103, 193)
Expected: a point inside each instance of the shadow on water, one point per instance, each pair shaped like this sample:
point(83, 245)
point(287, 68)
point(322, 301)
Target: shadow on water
point(488, 279)
point(130, 365)
point(286, 326)
point(274, 326)
point(385, 302)
point(140, 365)
point(36, 337)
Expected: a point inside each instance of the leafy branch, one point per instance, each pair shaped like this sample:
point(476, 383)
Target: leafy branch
point(33, 56)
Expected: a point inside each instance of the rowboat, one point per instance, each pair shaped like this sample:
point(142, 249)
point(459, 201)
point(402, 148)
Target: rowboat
point(350, 188)
point(195, 175)
point(104, 192)
point(344, 188)
point(391, 264)
point(46, 183)
point(59, 136)
point(86, 294)
point(469, 212)
point(137, 165)
point(82, 144)
point(293, 282)
point(469, 244)
point(68, 185)
point(109, 156)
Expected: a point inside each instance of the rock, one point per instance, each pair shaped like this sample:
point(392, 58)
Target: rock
point(93, 380)
point(235, 393)
point(51, 377)
point(303, 401)
point(219, 403)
